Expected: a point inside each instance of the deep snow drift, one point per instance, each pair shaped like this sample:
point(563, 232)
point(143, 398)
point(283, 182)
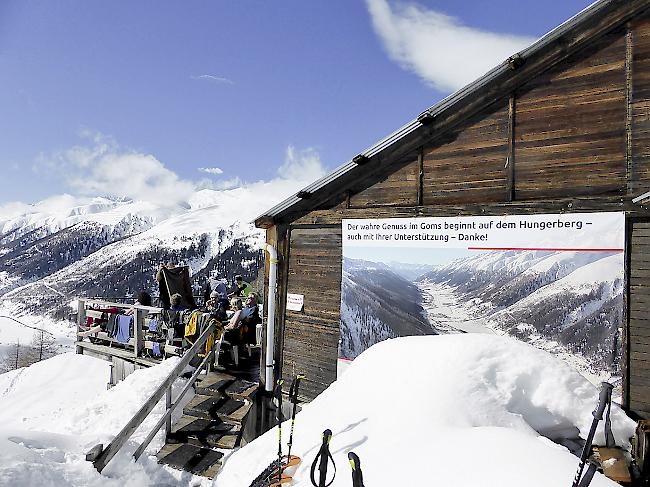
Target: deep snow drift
point(453, 410)
point(53, 412)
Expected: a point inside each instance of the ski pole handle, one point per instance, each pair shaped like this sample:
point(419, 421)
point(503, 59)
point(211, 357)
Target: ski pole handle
point(604, 398)
point(293, 390)
point(357, 476)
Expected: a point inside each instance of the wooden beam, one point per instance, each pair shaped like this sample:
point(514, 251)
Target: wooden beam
point(420, 182)
point(510, 158)
point(565, 205)
point(265, 222)
point(629, 46)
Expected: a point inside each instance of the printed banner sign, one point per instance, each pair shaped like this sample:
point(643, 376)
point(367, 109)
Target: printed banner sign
point(552, 280)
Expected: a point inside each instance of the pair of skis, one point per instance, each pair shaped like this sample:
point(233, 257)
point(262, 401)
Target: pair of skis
point(273, 475)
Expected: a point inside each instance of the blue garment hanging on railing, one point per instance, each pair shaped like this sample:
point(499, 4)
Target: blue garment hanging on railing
point(153, 325)
point(156, 349)
point(124, 324)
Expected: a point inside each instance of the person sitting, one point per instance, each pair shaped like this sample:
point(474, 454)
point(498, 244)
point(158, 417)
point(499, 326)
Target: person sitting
point(217, 305)
point(175, 301)
point(242, 288)
point(144, 299)
point(245, 319)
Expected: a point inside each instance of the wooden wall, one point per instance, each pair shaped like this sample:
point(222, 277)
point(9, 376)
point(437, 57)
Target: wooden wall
point(639, 74)
point(471, 166)
point(575, 138)
point(311, 336)
point(639, 318)
point(570, 126)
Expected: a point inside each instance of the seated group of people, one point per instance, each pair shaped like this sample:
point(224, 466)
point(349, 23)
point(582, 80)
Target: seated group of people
point(241, 311)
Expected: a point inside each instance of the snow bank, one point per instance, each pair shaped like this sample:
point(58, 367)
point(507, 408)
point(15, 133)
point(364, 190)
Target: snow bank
point(453, 410)
point(53, 412)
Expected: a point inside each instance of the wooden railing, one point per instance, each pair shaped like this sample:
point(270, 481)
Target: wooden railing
point(100, 456)
point(139, 312)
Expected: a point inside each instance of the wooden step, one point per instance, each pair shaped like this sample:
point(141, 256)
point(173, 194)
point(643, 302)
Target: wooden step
point(242, 389)
point(213, 383)
point(199, 461)
point(216, 407)
point(205, 433)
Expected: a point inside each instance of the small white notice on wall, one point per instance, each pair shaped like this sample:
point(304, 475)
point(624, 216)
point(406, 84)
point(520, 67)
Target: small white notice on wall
point(295, 302)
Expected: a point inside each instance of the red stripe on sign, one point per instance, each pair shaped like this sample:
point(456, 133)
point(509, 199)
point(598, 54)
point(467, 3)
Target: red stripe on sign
point(546, 248)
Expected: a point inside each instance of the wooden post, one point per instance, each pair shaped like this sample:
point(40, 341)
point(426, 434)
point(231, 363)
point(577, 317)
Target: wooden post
point(510, 158)
point(137, 330)
point(168, 405)
point(420, 188)
point(629, 95)
point(81, 318)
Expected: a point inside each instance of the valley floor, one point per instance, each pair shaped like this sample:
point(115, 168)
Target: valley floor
point(448, 313)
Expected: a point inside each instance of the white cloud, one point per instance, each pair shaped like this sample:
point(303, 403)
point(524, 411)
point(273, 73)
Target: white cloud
point(438, 48)
point(301, 164)
point(214, 78)
point(103, 167)
point(211, 170)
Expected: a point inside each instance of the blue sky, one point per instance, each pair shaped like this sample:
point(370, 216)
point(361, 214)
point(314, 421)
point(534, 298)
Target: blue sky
point(252, 90)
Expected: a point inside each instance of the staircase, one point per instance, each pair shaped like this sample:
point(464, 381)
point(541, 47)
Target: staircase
point(212, 421)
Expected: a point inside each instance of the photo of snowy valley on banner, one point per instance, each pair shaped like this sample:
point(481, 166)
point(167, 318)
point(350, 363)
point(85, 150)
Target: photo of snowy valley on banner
point(555, 281)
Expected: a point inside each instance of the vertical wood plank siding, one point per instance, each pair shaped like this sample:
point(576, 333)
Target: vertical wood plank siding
point(311, 336)
point(471, 166)
point(640, 164)
point(570, 125)
point(397, 189)
point(639, 319)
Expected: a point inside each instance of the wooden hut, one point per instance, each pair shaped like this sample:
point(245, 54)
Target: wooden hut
point(563, 126)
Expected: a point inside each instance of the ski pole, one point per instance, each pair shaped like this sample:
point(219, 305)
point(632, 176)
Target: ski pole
point(357, 475)
point(323, 455)
point(604, 398)
point(279, 418)
point(293, 397)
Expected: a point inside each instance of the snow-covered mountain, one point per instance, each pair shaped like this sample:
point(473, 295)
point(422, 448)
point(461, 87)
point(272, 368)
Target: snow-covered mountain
point(573, 300)
point(411, 272)
point(376, 304)
point(112, 248)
